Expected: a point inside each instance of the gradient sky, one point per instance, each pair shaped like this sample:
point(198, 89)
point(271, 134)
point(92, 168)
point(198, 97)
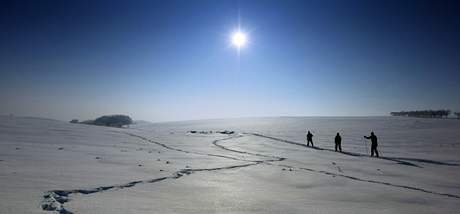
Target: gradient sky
point(172, 60)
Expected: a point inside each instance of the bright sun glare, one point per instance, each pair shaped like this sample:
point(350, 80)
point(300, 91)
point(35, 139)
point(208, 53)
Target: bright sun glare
point(239, 39)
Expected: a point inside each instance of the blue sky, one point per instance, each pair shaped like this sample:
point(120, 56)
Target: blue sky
point(172, 60)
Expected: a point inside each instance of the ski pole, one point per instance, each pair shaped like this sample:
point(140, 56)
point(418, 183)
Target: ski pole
point(365, 145)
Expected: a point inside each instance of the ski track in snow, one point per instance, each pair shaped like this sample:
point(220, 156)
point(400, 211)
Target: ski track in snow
point(356, 178)
point(331, 173)
point(216, 143)
point(54, 200)
point(374, 181)
point(185, 151)
point(399, 160)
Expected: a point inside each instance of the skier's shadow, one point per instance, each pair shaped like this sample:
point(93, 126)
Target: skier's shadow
point(425, 161)
point(399, 160)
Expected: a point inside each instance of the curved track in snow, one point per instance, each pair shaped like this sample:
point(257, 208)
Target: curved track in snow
point(398, 160)
point(55, 200)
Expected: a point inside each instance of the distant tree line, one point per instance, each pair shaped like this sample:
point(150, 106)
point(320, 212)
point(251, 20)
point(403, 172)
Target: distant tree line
point(457, 114)
point(444, 113)
point(108, 120)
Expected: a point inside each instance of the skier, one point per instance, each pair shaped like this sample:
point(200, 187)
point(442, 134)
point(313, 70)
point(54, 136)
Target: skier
point(309, 139)
point(338, 142)
point(373, 145)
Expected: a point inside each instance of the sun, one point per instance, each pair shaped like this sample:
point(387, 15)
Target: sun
point(239, 39)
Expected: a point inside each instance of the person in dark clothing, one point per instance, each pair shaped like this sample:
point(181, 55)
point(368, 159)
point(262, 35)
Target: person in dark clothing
point(309, 139)
point(374, 144)
point(338, 142)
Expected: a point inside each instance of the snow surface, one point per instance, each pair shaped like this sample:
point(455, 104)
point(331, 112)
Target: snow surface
point(49, 166)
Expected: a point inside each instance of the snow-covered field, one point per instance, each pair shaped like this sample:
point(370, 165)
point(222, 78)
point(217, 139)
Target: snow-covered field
point(49, 166)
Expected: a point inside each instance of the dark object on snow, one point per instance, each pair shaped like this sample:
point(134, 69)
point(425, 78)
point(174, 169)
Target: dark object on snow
point(338, 142)
point(210, 132)
point(74, 121)
point(309, 138)
point(226, 132)
point(374, 144)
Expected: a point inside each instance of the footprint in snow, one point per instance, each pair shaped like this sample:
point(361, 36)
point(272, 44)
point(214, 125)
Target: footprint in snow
point(339, 169)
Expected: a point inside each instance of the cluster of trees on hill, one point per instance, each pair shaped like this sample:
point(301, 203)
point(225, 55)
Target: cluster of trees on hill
point(108, 120)
point(424, 113)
